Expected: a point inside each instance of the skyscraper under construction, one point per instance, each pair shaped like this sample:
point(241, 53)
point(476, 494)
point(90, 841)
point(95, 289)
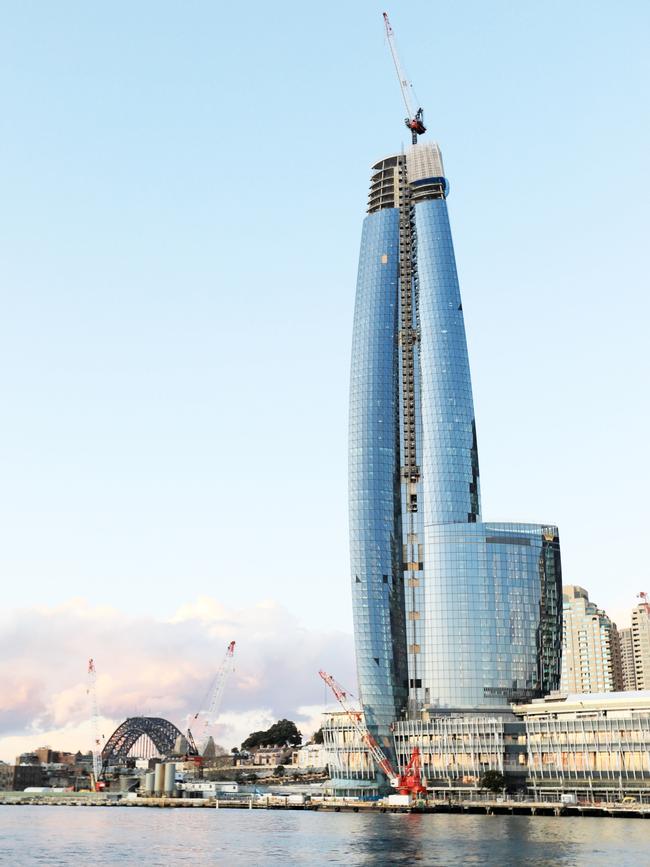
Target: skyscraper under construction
point(449, 612)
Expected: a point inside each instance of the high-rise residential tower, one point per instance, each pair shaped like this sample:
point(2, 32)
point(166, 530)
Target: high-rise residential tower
point(449, 612)
point(591, 652)
point(641, 644)
point(628, 668)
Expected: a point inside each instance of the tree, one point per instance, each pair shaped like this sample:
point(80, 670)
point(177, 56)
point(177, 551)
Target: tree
point(493, 781)
point(279, 771)
point(318, 737)
point(282, 733)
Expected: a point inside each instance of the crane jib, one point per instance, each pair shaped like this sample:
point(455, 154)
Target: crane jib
point(415, 118)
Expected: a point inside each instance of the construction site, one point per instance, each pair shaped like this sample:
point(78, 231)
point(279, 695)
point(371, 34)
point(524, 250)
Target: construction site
point(505, 739)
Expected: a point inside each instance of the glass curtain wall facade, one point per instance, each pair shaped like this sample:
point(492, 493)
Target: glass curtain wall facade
point(449, 612)
point(374, 478)
point(489, 619)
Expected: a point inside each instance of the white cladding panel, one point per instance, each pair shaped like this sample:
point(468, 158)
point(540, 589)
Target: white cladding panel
point(424, 161)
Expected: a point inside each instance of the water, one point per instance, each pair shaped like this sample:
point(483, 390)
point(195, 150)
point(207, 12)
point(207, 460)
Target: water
point(149, 837)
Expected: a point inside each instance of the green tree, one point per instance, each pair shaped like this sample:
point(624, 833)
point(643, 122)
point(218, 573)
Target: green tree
point(279, 771)
point(493, 781)
point(253, 740)
point(318, 737)
point(282, 733)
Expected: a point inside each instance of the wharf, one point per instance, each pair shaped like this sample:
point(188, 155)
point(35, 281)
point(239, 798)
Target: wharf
point(487, 808)
point(495, 808)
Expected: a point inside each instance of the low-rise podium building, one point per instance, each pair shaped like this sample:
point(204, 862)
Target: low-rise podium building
point(596, 745)
point(599, 743)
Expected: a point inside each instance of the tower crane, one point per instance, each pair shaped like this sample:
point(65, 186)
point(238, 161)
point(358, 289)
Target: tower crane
point(91, 691)
point(414, 119)
point(644, 601)
point(212, 701)
point(407, 783)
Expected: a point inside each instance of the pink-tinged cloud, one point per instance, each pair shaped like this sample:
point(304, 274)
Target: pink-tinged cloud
point(153, 667)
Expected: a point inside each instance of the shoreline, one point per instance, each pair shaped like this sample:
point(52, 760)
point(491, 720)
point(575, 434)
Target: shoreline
point(487, 808)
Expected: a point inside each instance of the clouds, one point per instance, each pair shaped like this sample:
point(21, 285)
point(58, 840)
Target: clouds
point(159, 668)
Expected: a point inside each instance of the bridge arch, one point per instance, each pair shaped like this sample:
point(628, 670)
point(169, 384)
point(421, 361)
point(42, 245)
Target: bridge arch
point(162, 733)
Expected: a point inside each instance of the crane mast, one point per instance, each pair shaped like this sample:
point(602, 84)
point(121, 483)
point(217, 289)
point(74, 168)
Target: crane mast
point(414, 119)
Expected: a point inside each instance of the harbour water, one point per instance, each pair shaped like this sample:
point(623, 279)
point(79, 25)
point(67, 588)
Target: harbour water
point(85, 835)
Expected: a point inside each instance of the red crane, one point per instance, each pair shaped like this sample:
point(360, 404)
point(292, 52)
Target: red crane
point(644, 596)
point(408, 783)
point(414, 120)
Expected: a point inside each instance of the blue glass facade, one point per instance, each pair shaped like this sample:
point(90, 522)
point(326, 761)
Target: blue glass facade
point(491, 614)
point(449, 454)
point(449, 612)
point(374, 477)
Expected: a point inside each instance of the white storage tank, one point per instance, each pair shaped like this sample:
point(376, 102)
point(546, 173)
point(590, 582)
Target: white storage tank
point(159, 779)
point(170, 778)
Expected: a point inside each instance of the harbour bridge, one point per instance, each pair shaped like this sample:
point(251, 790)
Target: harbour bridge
point(158, 737)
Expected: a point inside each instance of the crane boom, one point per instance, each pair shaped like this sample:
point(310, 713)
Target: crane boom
point(405, 85)
point(94, 720)
point(408, 783)
point(414, 119)
point(220, 682)
point(212, 702)
point(378, 755)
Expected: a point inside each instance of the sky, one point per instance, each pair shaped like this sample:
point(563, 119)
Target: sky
point(183, 188)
